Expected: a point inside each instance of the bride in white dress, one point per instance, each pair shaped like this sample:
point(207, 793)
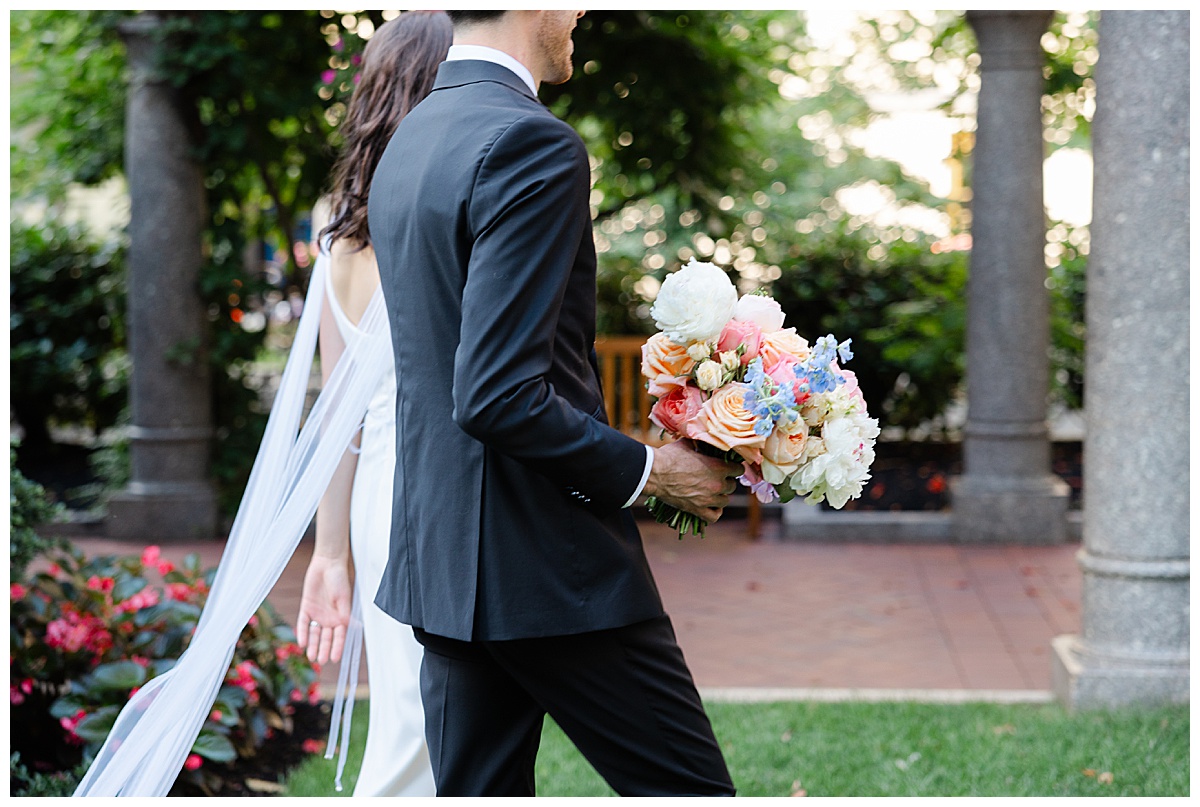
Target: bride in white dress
point(354, 517)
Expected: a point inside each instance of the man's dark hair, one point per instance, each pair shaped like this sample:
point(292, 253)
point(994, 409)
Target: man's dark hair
point(464, 18)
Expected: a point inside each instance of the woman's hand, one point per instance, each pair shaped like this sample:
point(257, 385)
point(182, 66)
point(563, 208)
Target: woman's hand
point(326, 602)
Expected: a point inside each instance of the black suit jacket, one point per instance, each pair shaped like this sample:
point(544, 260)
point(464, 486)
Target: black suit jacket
point(506, 519)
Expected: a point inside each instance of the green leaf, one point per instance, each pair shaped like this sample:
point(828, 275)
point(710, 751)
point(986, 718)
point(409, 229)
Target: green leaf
point(214, 747)
point(119, 675)
point(95, 727)
point(127, 587)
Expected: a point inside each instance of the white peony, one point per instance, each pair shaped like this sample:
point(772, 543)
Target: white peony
point(709, 375)
point(694, 303)
point(841, 471)
point(762, 311)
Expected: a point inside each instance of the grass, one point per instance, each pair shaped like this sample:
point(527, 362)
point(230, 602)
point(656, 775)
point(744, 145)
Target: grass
point(894, 749)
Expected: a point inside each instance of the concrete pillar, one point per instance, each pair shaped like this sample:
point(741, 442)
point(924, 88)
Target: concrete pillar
point(1135, 558)
point(170, 496)
point(1007, 492)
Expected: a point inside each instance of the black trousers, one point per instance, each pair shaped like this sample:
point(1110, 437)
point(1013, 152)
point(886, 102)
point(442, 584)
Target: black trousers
point(624, 696)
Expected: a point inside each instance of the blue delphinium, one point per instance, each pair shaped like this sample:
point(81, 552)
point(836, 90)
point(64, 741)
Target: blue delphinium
point(824, 352)
point(770, 403)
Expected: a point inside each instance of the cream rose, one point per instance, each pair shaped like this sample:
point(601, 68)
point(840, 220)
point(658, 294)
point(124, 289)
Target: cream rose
point(709, 375)
point(694, 303)
point(666, 364)
point(784, 451)
point(776, 343)
point(724, 422)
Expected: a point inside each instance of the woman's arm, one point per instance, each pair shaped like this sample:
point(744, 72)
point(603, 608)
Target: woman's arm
point(326, 597)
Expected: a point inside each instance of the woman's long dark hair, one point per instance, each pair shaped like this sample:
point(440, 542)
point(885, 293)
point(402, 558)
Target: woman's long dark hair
point(399, 66)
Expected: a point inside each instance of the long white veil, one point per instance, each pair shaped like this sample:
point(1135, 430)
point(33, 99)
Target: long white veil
point(154, 733)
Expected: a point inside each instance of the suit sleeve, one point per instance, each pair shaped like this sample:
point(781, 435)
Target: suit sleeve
point(527, 213)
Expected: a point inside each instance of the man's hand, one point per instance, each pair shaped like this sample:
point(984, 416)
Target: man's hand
point(325, 602)
point(691, 481)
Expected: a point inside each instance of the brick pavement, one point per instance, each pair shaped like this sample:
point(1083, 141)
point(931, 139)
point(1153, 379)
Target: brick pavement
point(780, 614)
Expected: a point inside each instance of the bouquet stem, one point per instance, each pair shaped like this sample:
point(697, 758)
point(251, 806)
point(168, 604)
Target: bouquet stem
point(687, 523)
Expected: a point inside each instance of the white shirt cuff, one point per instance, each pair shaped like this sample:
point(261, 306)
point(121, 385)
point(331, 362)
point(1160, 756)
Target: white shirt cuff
point(645, 476)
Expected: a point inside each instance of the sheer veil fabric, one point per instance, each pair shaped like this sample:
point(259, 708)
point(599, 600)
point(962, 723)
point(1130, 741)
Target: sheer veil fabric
point(155, 731)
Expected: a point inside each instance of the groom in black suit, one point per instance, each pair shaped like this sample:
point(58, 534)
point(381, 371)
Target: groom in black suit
point(514, 555)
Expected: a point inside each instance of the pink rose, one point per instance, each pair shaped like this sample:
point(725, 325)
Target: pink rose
point(677, 408)
point(724, 422)
point(739, 332)
point(783, 372)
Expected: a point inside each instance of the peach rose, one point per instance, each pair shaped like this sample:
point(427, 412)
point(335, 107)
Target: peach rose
point(666, 364)
point(725, 422)
point(776, 343)
point(737, 332)
point(676, 409)
point(783, 451)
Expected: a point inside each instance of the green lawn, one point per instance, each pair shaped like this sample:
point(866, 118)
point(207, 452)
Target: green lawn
point(894, 749)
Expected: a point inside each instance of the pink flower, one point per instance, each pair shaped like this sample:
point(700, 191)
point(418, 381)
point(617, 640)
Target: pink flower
point(179, 591)
point(27, 686)
point(150, 555)
point(763, 490)
point(286, 651)
point(104, 584)
point(328, 76)
point(356, 78)
point(312, 746)
point(356, 59)
point(296, 695)
point(166, 567)
point(14, 696)
point(242, 676)
point(69, 723)
point(783, 372)
point(677, 408)
point(141, 661)
point(215, 714)
point(74, 632)
point(737, 332)
point(193, 762)
point(16, 591)
point(253, 621)
point(55, 570)
point(314, 693)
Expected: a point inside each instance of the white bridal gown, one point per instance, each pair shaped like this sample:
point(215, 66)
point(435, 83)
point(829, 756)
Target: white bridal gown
point(396, 760)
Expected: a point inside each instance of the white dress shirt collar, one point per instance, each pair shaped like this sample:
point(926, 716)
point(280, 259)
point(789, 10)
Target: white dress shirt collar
point(486, 54)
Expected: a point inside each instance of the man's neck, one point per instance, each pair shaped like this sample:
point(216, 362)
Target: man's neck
point(503, 38)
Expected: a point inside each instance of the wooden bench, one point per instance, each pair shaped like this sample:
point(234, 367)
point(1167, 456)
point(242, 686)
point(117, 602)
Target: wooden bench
point(628, 404)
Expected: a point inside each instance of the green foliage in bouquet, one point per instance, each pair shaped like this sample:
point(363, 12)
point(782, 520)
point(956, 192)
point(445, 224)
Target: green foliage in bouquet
point(85, 634)
point(66, 328)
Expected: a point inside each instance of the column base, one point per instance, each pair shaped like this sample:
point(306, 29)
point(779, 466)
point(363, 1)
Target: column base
point(163, 513)
point(1084, 682)
point(1018, 510)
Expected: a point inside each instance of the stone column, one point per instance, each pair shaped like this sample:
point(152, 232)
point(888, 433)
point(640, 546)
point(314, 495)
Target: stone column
point(1135, 557)
point(1006, 492)
point(170, 496)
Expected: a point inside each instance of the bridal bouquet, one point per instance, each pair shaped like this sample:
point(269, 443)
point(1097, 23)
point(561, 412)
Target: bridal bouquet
point(728, 376)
